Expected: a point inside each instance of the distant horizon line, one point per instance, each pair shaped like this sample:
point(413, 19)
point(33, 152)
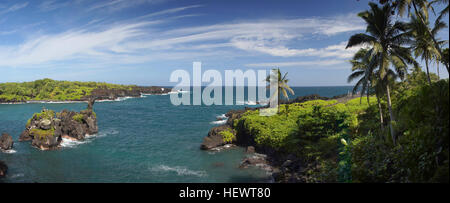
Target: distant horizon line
point(171, 86)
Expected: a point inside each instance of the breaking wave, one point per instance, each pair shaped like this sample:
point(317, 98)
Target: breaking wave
point(9, 151)
point(181, 171)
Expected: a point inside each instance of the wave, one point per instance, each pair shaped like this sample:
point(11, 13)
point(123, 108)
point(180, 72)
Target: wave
point(55, 102)
point(9, 151)
point(181, 171)
point(69, 143)
point(17, 175)
point(219, 122)
point(222, 116)
point(123, 98)
point(145, 95)
point(250, 103)
point(179, 91)
point(114, 100)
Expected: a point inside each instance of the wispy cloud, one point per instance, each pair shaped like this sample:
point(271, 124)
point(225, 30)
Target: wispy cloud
point(50, 5)
point(272, 37)
point(169, 11)
point(70, 45)
point(140, 40)
point(296, 64)
point(14, 7)
point(114, 5)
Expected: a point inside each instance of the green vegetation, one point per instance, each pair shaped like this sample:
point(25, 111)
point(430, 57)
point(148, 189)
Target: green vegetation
point(312, 130)
point(45, 114)
point(348, 142)
point(47, 89)
point(78, 117)
point(41, 134)
point(228, 136)
point(342, 142)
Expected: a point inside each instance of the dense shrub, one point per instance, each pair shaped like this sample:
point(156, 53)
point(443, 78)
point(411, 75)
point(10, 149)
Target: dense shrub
point(422, 126)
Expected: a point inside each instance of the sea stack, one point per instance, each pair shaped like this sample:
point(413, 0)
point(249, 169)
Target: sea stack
point(47, 128)
point(6, 142)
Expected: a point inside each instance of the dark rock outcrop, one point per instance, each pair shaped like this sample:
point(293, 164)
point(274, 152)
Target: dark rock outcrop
point(25, 136)
point(6, 142)
point(3, 169)
point(47, 129)
point(214, 138)
point(250, 149)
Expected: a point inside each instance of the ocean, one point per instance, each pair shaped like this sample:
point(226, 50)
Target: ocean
point(143, 139)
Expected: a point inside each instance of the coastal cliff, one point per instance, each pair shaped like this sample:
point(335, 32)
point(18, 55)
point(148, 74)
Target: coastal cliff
point(47, 129)
point(47, 90)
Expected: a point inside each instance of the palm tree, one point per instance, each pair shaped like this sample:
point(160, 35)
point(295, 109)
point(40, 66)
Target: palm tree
point(386, 39)
point(365, 69)
point(421, 10)
point(422, 44)
point(282, 85)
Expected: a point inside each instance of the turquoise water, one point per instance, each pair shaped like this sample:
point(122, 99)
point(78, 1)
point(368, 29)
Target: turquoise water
point(140, 140)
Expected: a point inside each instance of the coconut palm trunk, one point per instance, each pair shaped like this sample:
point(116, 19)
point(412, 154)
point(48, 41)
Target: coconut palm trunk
point(391, 114)
point(428, 71)
point(381, 112)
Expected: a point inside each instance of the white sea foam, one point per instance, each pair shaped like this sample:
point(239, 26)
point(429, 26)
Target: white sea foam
point(115, 100)
point(181, 171)
point(123, 98)
point(251, 103)
point(69, 143)
point(179, 92)
point(219, 122)
point(17, 175)
point(9, 151)
point(145, 95)
point(222, 116)
point(58, 102)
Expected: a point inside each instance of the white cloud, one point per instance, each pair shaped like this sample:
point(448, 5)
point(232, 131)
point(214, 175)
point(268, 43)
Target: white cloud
point(70, 45)
point(296, 64)
point(14, 7)
point(114, 5)
point(50, 5)
point(142, 40)
point(169, 11)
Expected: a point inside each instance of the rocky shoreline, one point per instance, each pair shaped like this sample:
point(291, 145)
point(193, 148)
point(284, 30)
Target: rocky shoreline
point(282, 167)
point(104, 94)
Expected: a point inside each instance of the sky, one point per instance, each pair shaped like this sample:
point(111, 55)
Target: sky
point(142, 41)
